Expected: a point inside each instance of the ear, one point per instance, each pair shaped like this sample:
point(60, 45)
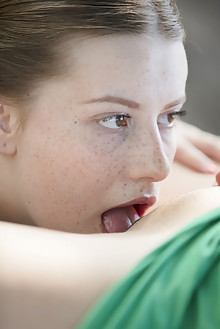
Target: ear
point(7, 131)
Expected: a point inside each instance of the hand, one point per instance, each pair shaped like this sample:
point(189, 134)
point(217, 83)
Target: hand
point(196, 148)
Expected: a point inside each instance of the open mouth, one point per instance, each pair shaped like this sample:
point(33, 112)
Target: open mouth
point(121, 218)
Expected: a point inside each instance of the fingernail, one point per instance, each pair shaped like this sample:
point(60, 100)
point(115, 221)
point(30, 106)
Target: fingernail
point(210, 168)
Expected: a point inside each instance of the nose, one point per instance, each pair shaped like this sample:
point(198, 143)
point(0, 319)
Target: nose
point(150, 157)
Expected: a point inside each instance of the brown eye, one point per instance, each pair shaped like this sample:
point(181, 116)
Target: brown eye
point(121, 121)
point(115, 121)
point(171, 117)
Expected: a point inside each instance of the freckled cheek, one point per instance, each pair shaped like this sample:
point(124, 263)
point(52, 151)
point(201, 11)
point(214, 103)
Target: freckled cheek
point(84, 168)
point(65, 168)
point(62, 177)
point(169, 142)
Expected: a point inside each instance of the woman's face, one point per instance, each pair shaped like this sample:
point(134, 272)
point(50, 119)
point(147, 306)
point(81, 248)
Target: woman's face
point(97, 141)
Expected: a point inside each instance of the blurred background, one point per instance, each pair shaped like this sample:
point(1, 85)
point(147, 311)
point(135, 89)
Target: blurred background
point(201, 19)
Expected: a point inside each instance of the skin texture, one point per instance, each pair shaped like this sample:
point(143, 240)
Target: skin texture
point(67, 168)
point(197, 149)
point(52, 284)
point(61, 153)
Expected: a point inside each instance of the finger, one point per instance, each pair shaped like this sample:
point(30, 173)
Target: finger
point(207, 143)
point(193, 158)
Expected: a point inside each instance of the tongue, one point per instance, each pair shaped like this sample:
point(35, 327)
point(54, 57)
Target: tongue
point(119, 219)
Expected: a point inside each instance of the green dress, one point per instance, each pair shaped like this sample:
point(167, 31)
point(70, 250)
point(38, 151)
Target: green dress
point(177, 286)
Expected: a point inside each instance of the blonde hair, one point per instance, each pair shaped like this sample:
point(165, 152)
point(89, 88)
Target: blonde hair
point(30, 30)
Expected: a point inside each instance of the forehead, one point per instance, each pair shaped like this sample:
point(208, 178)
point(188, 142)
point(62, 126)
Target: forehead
point(122, 63)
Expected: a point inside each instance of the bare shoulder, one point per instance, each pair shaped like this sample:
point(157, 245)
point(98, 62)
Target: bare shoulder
point(45, 274)
point(175, 214)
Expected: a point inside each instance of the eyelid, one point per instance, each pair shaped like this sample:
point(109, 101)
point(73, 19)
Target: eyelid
point(109, 115)
point(175, 114)
point(175, 109)
point(178, 113)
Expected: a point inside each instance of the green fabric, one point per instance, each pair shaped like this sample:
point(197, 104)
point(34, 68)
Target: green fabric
point(175, 287)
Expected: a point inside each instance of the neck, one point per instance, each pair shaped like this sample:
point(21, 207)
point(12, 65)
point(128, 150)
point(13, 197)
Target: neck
point(10, 203)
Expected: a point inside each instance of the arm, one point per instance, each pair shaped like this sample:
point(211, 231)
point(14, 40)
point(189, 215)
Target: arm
point(50, 279)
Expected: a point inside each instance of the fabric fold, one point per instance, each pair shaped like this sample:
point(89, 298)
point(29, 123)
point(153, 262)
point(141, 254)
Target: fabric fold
point(177, 286)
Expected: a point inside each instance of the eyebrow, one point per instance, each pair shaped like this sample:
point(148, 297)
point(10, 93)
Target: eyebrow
point(130, 103)
point(179, 101)
point(115, 100)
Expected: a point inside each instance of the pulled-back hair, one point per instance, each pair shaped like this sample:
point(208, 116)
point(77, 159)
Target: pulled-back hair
point(30, 30)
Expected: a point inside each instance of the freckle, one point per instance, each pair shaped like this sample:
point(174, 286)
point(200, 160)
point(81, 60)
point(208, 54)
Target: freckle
point(78, 212)
point(125, 184)
point(75, 122)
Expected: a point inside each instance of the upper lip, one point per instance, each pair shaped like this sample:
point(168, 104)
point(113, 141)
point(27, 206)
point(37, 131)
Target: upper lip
point(147, 200)
point(140, 204)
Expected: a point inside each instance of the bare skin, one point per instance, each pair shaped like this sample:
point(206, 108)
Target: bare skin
point(41, 283)
point(72, 122)
point(49, 279)
point(197, 149)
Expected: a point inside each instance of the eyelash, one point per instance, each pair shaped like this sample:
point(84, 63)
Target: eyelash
point(171, 116)
point(120, 117)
